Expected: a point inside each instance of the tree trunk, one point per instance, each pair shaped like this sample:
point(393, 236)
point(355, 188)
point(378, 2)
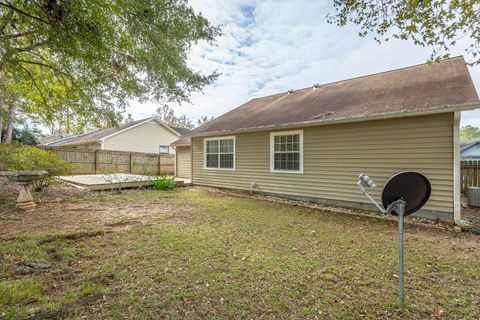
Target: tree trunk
point(2, 94)
point(11, 121)
point(1, 112)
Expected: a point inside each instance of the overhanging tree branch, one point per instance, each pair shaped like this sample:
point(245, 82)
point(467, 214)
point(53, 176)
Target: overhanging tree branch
point(18, 35)
point(45, 65)
point(6, 21)
point(34, 82)
point(31, 47)
point(8, 5)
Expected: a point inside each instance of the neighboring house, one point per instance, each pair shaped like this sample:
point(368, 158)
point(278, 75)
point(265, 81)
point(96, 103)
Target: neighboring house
point(146, 135)
point(53, 137)
point(470, 150)
point(312, 143)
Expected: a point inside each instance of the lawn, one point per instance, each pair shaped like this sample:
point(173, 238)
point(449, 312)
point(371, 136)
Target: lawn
point(194, 253)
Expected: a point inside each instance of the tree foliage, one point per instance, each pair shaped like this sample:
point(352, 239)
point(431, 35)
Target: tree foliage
point(469, 133)
point(85, 57)
point(168, 116)
point(435, 23)
point(25, 136)
point(203, 119)
point(20, 157)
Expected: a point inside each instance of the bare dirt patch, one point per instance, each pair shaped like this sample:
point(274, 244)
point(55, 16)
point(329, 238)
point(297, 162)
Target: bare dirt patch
point(471, 214)
point(63, 208)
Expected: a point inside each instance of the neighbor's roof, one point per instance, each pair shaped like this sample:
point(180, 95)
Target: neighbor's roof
point(185, 140)
point(420, 89)
point(465, 145)
point(102, 133)
point(181, 131)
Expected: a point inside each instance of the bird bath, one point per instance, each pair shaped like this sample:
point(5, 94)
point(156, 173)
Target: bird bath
point(24, 179)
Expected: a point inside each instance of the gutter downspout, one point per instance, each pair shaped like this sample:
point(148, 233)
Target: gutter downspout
point(456, 169)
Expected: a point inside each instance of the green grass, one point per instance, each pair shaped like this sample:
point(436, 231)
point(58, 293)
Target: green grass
point(241, 258)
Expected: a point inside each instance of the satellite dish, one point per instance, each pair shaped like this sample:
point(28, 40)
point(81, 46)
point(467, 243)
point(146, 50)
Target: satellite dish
point(414, 188)
point(403, 194)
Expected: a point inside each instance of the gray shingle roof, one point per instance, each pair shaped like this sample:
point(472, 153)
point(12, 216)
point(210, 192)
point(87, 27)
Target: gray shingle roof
point(415, 89)
point(185, 140)
point(182, 131)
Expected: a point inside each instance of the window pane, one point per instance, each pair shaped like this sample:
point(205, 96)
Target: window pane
point(226, 146)
point(296, 142)
point(212, 146)
point(286, 143)
point(226, 161)
point(212, 161)
point(164, 149)
point(277, 144)
point(293, 161)
point(287, 161)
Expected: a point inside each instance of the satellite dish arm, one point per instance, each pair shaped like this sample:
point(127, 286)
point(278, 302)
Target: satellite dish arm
point(362, 188)
point(364, 182)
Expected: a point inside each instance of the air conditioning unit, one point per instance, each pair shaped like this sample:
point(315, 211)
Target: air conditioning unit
point(474, 196)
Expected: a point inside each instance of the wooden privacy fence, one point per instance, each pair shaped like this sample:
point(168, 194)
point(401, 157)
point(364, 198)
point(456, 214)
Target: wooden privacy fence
point(111, 161)
point(470, 174)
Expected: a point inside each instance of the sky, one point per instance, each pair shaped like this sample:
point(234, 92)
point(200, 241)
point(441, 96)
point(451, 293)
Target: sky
point(273, 46)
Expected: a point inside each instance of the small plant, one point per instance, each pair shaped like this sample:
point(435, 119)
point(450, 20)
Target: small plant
point(118, 180)
point(163, 183)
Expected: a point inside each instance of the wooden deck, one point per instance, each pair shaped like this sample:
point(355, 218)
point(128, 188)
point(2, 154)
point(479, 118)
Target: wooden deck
point(95, 182)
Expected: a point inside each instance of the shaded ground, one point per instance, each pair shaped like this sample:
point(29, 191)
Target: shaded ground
point(194, 253)
point(471, 214)
point(62, 208)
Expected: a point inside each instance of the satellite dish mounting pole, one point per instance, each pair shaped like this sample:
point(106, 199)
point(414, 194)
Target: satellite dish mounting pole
point(400, 188)
point(400, 204)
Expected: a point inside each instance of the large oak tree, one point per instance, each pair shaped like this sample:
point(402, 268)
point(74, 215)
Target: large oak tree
point(438, 24)
point(91, 56)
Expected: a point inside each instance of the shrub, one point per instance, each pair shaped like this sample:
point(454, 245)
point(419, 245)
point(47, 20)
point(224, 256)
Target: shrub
point(20, 157)
point(163, 183)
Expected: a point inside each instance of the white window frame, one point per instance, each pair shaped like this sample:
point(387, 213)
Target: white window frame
point(272, 150)
point(205, 153)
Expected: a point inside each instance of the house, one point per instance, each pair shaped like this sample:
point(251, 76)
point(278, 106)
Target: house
point(470, 150)
point(48, 139)
point(311, 144)
point(149, 135)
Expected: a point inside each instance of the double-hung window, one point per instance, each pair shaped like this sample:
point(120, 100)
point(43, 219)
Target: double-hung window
point(286, 151)
point(219, 153)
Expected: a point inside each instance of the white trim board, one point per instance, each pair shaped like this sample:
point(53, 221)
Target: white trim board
point(456, 168)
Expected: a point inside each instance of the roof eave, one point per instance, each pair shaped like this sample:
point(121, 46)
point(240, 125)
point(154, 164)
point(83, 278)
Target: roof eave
point(181, 145)
point(76, 143)
point(380, 116)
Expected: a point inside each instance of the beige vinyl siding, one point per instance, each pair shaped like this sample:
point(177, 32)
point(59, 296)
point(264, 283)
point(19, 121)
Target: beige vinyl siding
point(184, 162)
point(146, 137)
point(334, 156)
